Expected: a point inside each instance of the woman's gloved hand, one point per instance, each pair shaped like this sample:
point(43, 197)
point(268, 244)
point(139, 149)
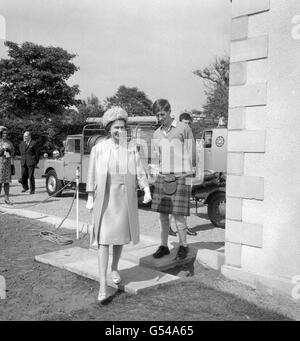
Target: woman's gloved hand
point(147, 196)
point(90, 202)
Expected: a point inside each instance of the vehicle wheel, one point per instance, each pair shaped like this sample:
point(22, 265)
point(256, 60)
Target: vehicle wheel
point(217, 209)
point(53, 184)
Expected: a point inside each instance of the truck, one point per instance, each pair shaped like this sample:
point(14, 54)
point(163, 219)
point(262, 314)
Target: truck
point(211, 189)
point(60, 170)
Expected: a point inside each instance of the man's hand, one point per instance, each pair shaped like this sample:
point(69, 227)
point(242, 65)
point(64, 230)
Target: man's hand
point(90, 202)
point(147, 196)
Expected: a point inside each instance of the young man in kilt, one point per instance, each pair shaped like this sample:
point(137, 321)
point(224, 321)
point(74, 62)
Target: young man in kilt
point(174, 144)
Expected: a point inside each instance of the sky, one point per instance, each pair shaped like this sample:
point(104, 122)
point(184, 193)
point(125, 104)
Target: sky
point(154, 45)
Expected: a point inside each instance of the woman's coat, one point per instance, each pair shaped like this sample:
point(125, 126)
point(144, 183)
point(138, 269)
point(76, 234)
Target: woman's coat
point(96, 182)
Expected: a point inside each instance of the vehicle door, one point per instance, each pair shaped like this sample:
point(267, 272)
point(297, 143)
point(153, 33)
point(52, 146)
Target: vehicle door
point(208, 159)
point(219, 150)
point(72, 158)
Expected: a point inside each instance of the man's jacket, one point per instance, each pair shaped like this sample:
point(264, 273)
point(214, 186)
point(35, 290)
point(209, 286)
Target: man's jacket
point(29, 153)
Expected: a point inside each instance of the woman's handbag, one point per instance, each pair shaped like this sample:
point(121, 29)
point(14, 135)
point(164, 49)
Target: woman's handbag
point(169, 184)
point(13, 170)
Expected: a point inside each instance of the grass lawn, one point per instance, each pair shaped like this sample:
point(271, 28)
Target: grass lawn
point(39, 292)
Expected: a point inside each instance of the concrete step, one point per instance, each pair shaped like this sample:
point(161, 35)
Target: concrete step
point(84, 262)
point(166, 262)
point(141, 254)
point(213, 259)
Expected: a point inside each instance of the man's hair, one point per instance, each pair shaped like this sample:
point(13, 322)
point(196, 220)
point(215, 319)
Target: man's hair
point(185, 116)
point(27, 131)
point(161, 105)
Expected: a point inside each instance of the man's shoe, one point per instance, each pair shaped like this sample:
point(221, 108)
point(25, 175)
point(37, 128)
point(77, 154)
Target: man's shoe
point(191, 232)
point(8, 202)
point(24, 190)
point(182, 252)
point(32, 192)
point(161, 251)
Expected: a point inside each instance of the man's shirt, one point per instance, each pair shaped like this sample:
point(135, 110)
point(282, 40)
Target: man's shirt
point(175, 148)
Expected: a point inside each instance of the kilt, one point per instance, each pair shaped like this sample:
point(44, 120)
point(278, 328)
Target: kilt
point(178, 203)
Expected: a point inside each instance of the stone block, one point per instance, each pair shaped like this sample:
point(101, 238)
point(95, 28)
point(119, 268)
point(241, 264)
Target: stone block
point(233, 254)
point(236, 118)
point(212, 259)
point(234, 208)
point(247, 141)
point(238, 73)
point(239, 28)
point(248, 187)
point(235, 163)
point(249, 49)
point(233, 231)
point(247, 96)
point(244, 233)
point(248, 7)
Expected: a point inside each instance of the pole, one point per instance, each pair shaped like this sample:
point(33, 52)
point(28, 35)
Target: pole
point(77, 203)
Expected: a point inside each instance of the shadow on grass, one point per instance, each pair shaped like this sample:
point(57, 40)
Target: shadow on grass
point(112, 297)
point(199, 301)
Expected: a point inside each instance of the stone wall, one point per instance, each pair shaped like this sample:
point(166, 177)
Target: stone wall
point(263, 187)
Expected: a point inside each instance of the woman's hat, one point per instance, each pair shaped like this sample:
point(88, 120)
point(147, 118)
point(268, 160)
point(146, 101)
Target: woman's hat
point(2, 128)
point(113, 114)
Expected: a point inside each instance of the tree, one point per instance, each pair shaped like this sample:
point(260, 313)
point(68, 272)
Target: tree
point(216, 80)
point(134, 101)
point(33, 81)
point(91, 107)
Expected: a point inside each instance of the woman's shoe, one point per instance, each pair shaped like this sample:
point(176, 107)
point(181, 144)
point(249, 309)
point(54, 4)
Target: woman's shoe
point(116, 278)
point(102, 297)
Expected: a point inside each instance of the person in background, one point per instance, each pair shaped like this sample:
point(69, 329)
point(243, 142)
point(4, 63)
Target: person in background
point(6, 156)
point(187, 119)
point(29, 160)
point(174, 144)
point(114, 168)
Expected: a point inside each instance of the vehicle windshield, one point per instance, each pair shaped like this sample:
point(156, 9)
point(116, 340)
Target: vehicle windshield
point(73, 145)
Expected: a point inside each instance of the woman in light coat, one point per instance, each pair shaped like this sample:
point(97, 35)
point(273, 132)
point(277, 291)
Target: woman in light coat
point(6, 156)
point(113, 172)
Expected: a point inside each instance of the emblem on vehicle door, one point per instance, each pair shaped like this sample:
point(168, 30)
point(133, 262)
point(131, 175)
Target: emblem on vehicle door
point(220, 141)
